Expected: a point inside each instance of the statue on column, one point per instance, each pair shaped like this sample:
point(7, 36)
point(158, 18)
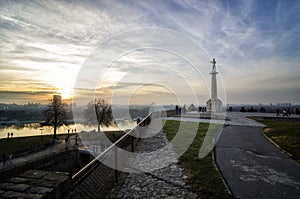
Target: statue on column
point(214, 65)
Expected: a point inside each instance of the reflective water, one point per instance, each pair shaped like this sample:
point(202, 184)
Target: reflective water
point(34, 129)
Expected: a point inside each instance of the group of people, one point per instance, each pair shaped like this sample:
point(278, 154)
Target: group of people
point(285, 112)
point(67, 140)
point(178, 109)
point(10, 135)
point(72, 130)
point(7, 158)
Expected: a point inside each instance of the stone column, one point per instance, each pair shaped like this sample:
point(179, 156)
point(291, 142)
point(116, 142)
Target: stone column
point(214, 104)
point(213, 91)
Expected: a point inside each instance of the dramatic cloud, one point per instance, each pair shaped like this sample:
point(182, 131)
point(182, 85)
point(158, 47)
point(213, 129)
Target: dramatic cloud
point(256, 44)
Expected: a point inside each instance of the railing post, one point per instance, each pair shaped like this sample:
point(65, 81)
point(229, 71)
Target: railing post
point(116, 165)
point(132, 143)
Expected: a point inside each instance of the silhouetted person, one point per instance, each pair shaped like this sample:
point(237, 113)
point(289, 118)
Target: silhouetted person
point(9, 158)
point(11, 135)
point(277, 112)
point(4, 158)
point(284, 113)
point(76, 137)
point(66, 140)
point(8, 134)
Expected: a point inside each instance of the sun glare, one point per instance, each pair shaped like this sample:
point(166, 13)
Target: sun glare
point(66, 93)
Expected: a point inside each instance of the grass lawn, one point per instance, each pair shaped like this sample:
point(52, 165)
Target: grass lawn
point(285, 133)
point(203, 175)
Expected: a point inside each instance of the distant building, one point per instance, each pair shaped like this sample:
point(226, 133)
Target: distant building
point(284, 104)
point(3, 107)
point(57, 98)
point(192, 108)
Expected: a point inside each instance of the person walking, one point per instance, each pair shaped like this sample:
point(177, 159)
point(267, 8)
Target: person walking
point(277, 112)
point(76, 140)
point(9, 158)
point(4, 158)
point(284, 113)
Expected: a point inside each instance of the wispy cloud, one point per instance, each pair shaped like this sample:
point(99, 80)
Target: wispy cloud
point(44, 44)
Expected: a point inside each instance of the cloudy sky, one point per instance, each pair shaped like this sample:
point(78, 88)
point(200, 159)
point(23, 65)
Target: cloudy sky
point(150, 51)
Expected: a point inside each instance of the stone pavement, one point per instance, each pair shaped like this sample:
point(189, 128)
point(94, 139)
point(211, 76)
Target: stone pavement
point(37, 184)
point(167, 182)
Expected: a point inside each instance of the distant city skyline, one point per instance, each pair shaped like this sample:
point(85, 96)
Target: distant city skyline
point(256, 45)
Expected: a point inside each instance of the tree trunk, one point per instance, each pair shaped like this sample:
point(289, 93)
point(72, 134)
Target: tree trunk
point(54, 135)
point(55, 122)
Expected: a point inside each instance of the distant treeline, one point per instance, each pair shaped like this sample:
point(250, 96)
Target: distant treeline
point(139, 112)
point(27, 115)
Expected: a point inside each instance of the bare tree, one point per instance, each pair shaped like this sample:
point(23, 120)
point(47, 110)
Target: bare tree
point(55, 114)
point(99, 112)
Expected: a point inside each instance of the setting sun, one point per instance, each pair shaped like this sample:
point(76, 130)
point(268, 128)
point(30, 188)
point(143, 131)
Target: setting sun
point(66, 93)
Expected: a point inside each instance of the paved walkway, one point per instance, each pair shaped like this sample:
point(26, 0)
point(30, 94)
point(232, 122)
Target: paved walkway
point(233, 118)
point(251, 165)
point(33, 157)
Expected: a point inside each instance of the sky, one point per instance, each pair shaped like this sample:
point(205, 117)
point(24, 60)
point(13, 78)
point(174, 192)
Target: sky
point(139, 52)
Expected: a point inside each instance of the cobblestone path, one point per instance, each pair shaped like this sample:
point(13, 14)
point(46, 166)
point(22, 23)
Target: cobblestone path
point(167, 182)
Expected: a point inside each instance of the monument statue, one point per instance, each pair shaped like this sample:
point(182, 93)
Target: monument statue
point(214, 65)
point(214, 104)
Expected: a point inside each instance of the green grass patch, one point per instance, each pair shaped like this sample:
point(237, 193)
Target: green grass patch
point(285, 133)
point(203, 175)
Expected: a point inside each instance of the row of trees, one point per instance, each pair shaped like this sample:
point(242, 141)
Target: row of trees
point(97, 112)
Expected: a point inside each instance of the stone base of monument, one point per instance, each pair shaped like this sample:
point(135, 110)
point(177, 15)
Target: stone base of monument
point(214, 105)
point(37, 184)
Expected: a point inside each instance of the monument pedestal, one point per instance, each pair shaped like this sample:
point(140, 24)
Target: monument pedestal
point(214, 105)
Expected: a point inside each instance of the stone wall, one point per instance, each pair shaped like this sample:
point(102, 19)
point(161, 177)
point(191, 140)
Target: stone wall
point(37, 184)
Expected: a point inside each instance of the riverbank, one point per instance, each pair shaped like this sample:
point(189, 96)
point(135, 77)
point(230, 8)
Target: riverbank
point(23, 146)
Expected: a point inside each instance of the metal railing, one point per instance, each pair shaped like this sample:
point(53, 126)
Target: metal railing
point(98, 179)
